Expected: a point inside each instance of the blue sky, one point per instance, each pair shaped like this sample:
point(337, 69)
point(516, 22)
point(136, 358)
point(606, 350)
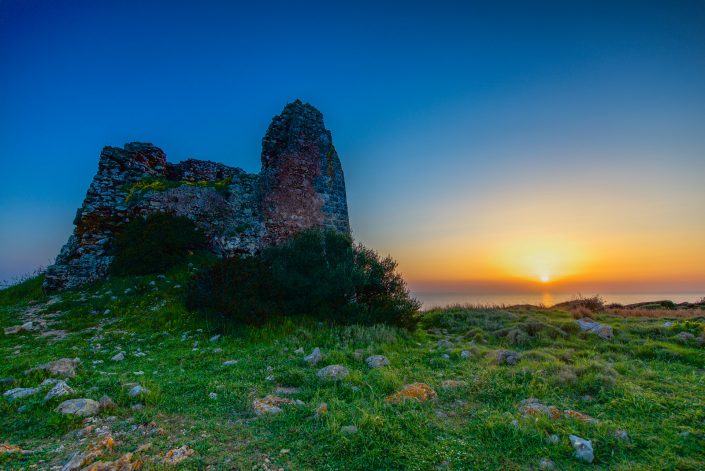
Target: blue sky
point(456, 122)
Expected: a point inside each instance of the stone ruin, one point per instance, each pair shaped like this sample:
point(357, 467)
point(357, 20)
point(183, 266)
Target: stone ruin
point(300, 186)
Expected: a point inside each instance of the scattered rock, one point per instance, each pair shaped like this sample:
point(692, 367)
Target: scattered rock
point(124, 463)
point(465, 354)
point(106, 403)
point(81, 407)
point(547, 464)
point(452, 384)
point(270, 404)
point(333, 372)
point(59, 389)
point(532, 407)
point(322, 409)
point(583, 448)
point(358, 354)
point(348, 429)
point(229, 362)
point(7, 448)
point(554, 439)
point(119, 357)
point(299, 350)
point(416, 391)
point(7, 381)
point(685, 336)
point(137, 391)
point(18, 393)
point(603, 331)
point(506, 357)
point(314, 357)
point(668, 324)
point(445, 344)
point(621, 435)
point(377, 361)
point(212, 396)
point(62, 367)
point(215, 338)
point(287, 391)
point(177, 455)
point(16, 329)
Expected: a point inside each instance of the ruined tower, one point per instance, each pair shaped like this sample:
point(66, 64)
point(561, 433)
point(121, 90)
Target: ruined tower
point(300, 186)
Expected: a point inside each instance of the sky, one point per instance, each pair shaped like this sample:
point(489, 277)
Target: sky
point(486, 145)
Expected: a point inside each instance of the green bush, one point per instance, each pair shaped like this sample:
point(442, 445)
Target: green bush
point(154, 244)
point(318, 274)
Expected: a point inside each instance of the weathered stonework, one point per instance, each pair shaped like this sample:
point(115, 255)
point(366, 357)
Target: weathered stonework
point(300, 186)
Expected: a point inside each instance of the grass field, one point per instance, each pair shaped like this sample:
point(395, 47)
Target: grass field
point(647, 381)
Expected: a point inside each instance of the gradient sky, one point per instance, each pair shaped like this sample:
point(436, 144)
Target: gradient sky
point(484, 144)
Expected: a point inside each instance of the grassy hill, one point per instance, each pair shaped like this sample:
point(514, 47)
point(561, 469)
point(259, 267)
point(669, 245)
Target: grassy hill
point(201, 391)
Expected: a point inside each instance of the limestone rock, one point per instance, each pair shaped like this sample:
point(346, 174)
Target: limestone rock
point(377, 361)
point(138, 391)
point(333, 372)
point(62, 367)
point(177, 455)
point(314, 357)
point(270, 404)
point(81, 407)
point(415, 391)
point(603, 331)
point(583, 448)
point(119, 357)
point(506, 357)
point(18, 393)
point(59, 389)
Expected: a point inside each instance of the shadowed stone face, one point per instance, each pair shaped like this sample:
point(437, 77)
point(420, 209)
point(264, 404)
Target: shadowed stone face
point(300, 186)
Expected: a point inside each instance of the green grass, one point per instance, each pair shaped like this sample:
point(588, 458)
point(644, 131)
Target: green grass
point(645, 381)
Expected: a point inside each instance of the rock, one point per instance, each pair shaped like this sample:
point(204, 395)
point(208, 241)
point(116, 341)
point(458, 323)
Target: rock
point(583, 448)
point(81, 407)
point(119, 357)
point(358, 354)
point(452, 384)
point(7, 381)
point(299, 350)
point(603, 331)
point(177, 455)
point(547, 464)
point(137, 407)
point(415, 391)
point(348, 429)
point(333, 372)
point(554, 439)
point(75, 462)
point(532, 408)
point(465, 354)
point(621, 435)
point(62, 367)
point(668, 324)
point(445, 344)
point(314, 357)
point(377, 361)
point(506, 357)
point(212, 396)
point(685, 336)
point(19, 393)
point(106, 403)
point(16, 329)
point(138, 391)
point(124, 463)
point(322, 409)
point(59, 389)
point(229, 362)
point(6, 448)
point(286, 391)
point(215, 338)
point(270, 404)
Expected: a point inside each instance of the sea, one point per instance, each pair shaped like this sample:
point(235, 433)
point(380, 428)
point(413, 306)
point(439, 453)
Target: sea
point(431, 300)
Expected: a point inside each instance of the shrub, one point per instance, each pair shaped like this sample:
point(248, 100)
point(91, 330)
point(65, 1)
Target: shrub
point(154, 244)
point(319, 274)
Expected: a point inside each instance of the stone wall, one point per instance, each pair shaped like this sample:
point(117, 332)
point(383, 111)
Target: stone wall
point(301, 186)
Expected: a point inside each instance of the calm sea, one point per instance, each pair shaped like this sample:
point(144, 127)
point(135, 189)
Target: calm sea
point(430, 300)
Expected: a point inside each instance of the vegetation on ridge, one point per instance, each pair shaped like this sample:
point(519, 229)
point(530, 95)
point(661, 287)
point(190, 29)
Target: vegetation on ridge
point(647, 381)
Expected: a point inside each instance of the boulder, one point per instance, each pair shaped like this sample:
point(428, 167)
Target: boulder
point(333, 372)
point(377, 361)
point(18, 393)
point(80, 407)
point(506, 357)
point(583, 448)
point(62, 367)
point(603, 331)
point(314, 357)
point(59, 389)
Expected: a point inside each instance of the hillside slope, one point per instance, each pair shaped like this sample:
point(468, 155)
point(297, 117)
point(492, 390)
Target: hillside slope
point(638, 397)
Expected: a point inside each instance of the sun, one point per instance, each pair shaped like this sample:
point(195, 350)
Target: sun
point(544, 278)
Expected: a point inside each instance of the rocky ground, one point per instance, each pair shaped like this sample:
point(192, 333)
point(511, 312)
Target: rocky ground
point(121, 376)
